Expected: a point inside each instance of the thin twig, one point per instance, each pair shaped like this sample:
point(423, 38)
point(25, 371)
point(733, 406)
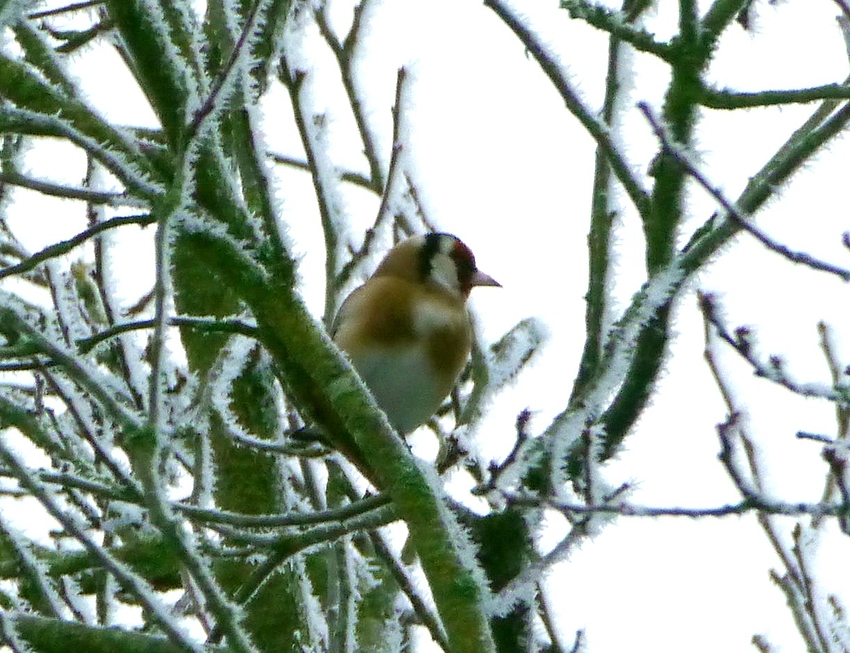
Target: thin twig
point(842, 412)
point(549, 621)
point(329, 515)
point(421, 213)
point(817, 437)
point(66, 246)
point(78, 6)
point(599, 131)
point(128, 579)
point(157, 355)
point(45, 596)
point(66, 192)
point(612, 22)
point(287, 545)
point(344, 52)
point(322, 184)
point(88, 432)
point(796, 582)
point(729, 100)
point(396, 567)
point(531, 575)
point(811, 603)
point(752, 503)
point(220, 325)
point(106, 285)
point(678, 152)
point(211, 102)
point(113, 402)
point(346, 175)
point(388, 191)
point(774, 370)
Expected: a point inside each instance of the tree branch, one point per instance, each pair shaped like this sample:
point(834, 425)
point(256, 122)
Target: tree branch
point(599, 131)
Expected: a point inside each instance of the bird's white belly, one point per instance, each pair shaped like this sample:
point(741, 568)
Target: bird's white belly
point(402, 383)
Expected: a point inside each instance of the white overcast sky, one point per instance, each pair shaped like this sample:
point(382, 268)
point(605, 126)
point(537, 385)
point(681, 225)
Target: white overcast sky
point(503, 165)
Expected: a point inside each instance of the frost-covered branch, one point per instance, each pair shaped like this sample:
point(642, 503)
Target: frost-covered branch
point(559, 442)
point(345, 52)
point(59, 636)
point(57, 190)
point(740, 457)
point(599, 131)
point(128, 579)
point(726, 99)
point(684, 158)
point(324, 175)
point(842, 411)
point(617, 24)
point(408, 586)
point(389, 190)
point(414, 195)
point(216, 100)
point(150, 447)
point(232, 326)
point(348, 176)
point(773, 369)
point(96, 488)
point(826, 122)
point(547, 616)
point(71, 7)
point(603, 213)
point(342, 514)
point(752, 503)
point(15, 326)
point(719, 16)
point(46, 599)
point(527, 581)
point(34, 105)
point(284, 547)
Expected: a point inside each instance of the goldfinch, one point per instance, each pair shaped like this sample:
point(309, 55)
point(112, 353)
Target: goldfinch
point(407, 330)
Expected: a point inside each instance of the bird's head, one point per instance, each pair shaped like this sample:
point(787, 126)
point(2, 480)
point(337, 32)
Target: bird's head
point(436, 258)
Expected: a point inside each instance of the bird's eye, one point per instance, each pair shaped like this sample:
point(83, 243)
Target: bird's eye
point(448, 261)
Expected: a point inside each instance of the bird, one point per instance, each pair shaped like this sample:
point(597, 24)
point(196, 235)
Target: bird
point(407, 330)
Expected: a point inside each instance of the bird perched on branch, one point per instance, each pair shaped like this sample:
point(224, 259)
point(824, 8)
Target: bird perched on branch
point(407, 330)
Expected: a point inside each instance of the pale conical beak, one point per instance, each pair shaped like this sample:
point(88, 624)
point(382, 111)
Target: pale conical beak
point(481, 279)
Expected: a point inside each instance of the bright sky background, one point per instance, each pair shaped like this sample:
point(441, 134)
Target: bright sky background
point(502, 164)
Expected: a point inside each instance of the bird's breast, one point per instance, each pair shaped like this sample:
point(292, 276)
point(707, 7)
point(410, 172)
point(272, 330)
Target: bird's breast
point(402, 384)
point(446, 334)
point(408, 346)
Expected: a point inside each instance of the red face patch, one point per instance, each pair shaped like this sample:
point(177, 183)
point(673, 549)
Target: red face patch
point(465, 262)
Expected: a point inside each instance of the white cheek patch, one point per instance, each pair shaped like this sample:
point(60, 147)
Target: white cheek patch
point(444, 272)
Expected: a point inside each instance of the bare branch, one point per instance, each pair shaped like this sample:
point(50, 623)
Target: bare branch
point(617, 25)
point(773, 369)
point(599, 131)
point(389, 189)
point(57, 190)
point(66, 246)
point(128, 579)
point(420, 606)
point(723, 99)
point(212, 103)
point(345, 53)
point(77, 6)
point(351, 177)
point(678, 152)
